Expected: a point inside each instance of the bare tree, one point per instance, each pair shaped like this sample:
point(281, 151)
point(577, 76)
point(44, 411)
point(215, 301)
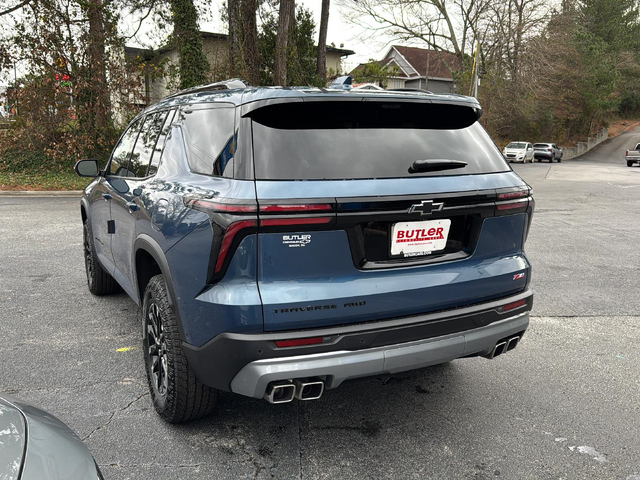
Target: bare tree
point(99, 102)
point(280, 67)
point(321, 66)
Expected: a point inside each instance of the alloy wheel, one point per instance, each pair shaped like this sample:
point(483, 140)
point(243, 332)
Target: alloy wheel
point(157, 349)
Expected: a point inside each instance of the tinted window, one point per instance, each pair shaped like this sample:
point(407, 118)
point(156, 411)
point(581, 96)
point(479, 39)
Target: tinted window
point(120, 155)
point(541, 145)
point(139, 161)
point(157, 151)
point(330, 140)
point(209, 138)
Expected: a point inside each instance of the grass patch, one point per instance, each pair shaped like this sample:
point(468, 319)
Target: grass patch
point(35, 180)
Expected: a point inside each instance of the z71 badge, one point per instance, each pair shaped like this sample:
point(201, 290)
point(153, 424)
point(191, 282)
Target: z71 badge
point(296, 240)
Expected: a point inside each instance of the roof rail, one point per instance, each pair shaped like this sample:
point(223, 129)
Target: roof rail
point(222, 85)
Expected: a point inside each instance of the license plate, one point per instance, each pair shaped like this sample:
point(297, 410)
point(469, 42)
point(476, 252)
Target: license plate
point(411, 239)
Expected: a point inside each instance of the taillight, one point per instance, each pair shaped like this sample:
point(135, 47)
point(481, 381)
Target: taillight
point(550, 149)
point(270, 222)
point(291, 214)
point(510, 195)
point(229, 235)
point(626, 154)
point(207, 206)
point(320, 207)
point(520, 204)
point(231, 221)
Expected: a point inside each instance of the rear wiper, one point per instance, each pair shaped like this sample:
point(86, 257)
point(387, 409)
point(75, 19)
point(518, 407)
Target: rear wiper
point(435, 165)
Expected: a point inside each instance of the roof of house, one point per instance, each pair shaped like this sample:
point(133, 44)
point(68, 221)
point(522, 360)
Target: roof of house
point(147, 54)
point(439, 64)
point(341, 51)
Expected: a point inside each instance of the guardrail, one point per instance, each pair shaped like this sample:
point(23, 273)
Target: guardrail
point(584, 147)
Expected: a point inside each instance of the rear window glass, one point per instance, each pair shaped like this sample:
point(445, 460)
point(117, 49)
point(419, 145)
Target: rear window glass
point(541, 145)
point(209, 135)
point(348, 140)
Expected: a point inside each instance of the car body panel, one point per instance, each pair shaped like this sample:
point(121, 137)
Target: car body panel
point(13, 439)
point(319, 285)
point(53, 451)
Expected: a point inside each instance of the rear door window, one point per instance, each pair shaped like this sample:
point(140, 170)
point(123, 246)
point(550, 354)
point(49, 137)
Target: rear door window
point(349, 140)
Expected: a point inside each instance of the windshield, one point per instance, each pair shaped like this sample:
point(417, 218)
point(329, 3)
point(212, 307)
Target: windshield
point(348, 140)
point(517, 145)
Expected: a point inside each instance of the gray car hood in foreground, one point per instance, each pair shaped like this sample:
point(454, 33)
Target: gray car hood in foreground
point(53, 451)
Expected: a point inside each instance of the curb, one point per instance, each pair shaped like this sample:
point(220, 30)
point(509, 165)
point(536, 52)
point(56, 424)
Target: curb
point(40, 193)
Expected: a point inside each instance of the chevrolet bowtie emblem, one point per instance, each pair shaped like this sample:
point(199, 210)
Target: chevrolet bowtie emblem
point(426, 207)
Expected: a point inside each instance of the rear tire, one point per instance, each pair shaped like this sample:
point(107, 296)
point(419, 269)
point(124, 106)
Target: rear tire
point(98, 280)
point(175, 392)
point(630, 163)
point(539, 159)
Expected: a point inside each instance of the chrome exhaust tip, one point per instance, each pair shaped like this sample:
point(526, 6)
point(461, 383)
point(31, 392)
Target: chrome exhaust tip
point(282, 392)
point(512, 343)
point(499, 349)
point(309, 389)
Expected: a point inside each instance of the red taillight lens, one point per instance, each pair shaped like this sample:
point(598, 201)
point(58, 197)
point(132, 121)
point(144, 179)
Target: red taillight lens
point(271, 222)
point(212, 206)
point(322, 207)
point(298, 342)
point(550, 149)
point(229, 235)
point(523, 204)
point(626, 154)
point(510, 195)
point(514, 305)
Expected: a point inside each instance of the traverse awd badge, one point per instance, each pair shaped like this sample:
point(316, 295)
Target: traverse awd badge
point(296, 240)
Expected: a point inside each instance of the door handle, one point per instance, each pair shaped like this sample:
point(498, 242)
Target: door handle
point(133, 206)
point(107, 196)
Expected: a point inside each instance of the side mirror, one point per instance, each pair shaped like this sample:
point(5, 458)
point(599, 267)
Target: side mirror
point(87, 168)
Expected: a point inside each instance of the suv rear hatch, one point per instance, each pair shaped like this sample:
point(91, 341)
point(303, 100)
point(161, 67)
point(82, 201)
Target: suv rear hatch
point(352, 229)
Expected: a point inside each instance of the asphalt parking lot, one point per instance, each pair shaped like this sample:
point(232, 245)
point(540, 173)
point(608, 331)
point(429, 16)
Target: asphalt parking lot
point(564, 404)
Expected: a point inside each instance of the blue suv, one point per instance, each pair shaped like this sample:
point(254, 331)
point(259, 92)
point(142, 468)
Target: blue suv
point(280, 241)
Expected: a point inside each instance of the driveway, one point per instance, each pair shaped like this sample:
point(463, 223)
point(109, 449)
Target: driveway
point(564, 404)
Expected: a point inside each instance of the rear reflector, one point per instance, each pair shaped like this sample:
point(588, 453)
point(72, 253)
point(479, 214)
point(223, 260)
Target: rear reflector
point(229, 235)
point(298, 342)
point(270, 222)
point(324, 207)
point(514, 305)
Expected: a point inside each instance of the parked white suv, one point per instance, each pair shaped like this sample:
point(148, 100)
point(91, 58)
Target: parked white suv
point(519, 152)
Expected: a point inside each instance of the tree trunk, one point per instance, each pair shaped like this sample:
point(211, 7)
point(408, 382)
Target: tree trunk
point(235, 53)
point(99, 102)
point(250, 53)
point(194, 66)
point(280, 67)
point(321, 65)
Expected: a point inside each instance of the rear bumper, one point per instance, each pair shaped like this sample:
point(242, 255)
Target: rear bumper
point(336, 367)
point(238, 362)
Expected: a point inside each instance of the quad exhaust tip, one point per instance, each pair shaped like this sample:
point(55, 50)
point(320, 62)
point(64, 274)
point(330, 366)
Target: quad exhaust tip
point(504, 346)
point(309, 389)
point(280, 392)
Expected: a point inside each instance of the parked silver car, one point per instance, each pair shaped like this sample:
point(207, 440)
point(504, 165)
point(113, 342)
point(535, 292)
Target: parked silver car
point(518, 152)
point(35, 445)
point(547, 151)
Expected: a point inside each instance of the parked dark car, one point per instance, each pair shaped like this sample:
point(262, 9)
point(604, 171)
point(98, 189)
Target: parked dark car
point(282, 241)
point(35, 445)
point(547, 151)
